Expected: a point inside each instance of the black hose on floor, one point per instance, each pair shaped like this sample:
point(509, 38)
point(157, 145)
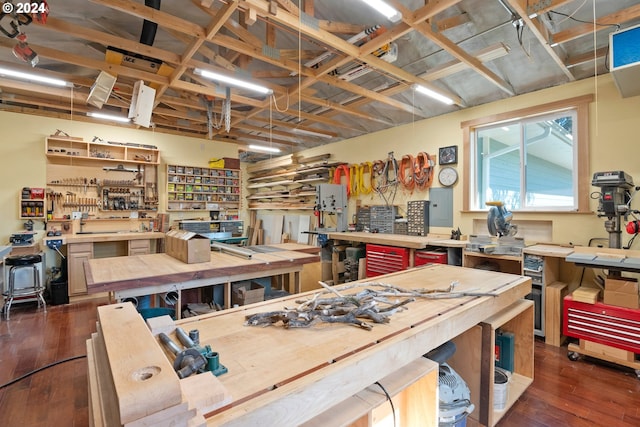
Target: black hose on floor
point(35, 371)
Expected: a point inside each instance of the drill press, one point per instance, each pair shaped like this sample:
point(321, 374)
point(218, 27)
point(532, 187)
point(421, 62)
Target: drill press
point(613, 202)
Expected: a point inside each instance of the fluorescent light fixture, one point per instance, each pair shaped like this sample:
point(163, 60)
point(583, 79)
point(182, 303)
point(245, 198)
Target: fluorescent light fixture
point(33, 77)
point(433, 94)
point(311, 133)
point(390, 13)
point(232, 81)
point(263, 148)
point(112, 117)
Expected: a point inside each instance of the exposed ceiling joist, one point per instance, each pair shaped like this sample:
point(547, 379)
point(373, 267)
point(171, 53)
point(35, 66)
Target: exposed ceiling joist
point(272, 41)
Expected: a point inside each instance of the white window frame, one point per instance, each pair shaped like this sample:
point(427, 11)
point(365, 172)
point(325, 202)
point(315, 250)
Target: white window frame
point(581, 154)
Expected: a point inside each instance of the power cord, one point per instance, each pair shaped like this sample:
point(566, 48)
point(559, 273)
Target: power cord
point(393, 409)
point(35, 371)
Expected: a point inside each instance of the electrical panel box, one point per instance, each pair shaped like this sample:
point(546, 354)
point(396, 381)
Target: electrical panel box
point(625, 60)
point(441, 207)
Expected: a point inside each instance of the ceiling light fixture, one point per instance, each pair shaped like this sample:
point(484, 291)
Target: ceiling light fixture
point(312, 133)
point(390, 13)
point(232, 81)
point(33, 77)
point(433, 94)
point(263, 148)
point(112, 117)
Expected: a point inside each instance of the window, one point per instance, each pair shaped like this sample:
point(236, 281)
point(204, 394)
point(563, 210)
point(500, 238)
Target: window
point(531, 162)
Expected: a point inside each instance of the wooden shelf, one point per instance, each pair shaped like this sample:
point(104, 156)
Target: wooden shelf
point(475, 350)
point(504, 263)
point(258, 196)
point(287, 179)
point(517, 319)
point(72, 162)
point(75, 151)
point(32, 209)
point(416, 382)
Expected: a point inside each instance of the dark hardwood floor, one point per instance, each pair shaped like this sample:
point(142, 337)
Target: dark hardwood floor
point(564, 393)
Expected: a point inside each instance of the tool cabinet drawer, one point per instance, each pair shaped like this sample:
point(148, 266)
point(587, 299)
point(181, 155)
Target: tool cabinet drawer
point(75, 248)
point(139, 247)
point(602, 323)
point(386, 259)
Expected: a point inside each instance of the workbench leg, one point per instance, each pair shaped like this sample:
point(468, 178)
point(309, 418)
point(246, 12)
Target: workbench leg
point(412, 257)
point(335, 275)
point(227, 295)
point(292, 285)
point(178, 307)
point(297, 282)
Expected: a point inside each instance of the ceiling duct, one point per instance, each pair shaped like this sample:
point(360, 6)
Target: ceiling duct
point(148, 34)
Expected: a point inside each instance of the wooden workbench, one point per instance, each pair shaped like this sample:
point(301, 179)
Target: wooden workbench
point(96, 237)
point(282, 377)
point(413, 243)
point(159, 273)
point(400, 240)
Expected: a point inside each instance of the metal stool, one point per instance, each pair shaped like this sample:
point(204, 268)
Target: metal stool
point(14, 263)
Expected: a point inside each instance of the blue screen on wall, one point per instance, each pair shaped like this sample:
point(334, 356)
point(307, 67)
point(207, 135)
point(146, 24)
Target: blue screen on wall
point(625, 46)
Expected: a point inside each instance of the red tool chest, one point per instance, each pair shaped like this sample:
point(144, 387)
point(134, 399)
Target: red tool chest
point(430, 257)
point(617, 327)
point(386, 259)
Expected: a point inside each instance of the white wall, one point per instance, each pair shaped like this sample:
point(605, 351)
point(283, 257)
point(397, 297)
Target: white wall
point(613, 137)
point(23, 160)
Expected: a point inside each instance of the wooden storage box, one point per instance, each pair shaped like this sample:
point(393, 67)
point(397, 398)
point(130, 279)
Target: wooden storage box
point(247, 293)
point(587, 295)
point(621, 292)
point(187, 246)
point(231, 163)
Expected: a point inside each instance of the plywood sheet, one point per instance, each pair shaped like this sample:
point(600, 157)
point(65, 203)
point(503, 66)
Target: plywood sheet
point(303, 229)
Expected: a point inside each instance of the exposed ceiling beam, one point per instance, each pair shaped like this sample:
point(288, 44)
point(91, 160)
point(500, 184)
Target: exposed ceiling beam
point(603, 23)
point(214, 26)
point(110, 40)
point(347, 48)
point(540, 33)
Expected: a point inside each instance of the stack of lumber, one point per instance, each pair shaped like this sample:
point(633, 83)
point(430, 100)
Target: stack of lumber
point(287, 182)
point(122, 369)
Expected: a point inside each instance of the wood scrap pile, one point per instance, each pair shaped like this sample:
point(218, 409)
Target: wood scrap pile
point(375, 305)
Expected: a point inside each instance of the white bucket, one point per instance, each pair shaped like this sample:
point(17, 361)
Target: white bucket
point(500, 390)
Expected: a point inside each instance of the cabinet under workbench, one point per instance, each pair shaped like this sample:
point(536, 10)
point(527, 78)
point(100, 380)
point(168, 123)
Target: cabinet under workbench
point(83, 247)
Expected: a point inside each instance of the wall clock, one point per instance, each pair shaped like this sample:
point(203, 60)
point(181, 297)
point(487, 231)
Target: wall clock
point(448, 176)
point(448, 155)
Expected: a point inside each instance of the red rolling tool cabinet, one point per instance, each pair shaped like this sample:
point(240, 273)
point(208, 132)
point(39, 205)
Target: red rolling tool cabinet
point(386, 259)
point(617, 327)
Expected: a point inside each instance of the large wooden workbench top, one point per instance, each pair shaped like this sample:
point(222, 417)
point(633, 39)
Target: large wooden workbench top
point(120, 273)
point(401, 240)
point(284, 377)
point(106, 237)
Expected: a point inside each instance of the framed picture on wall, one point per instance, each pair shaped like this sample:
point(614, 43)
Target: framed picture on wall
point(448, 155)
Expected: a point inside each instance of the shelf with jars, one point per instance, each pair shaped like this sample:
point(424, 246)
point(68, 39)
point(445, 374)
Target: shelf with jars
point(192, 188)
